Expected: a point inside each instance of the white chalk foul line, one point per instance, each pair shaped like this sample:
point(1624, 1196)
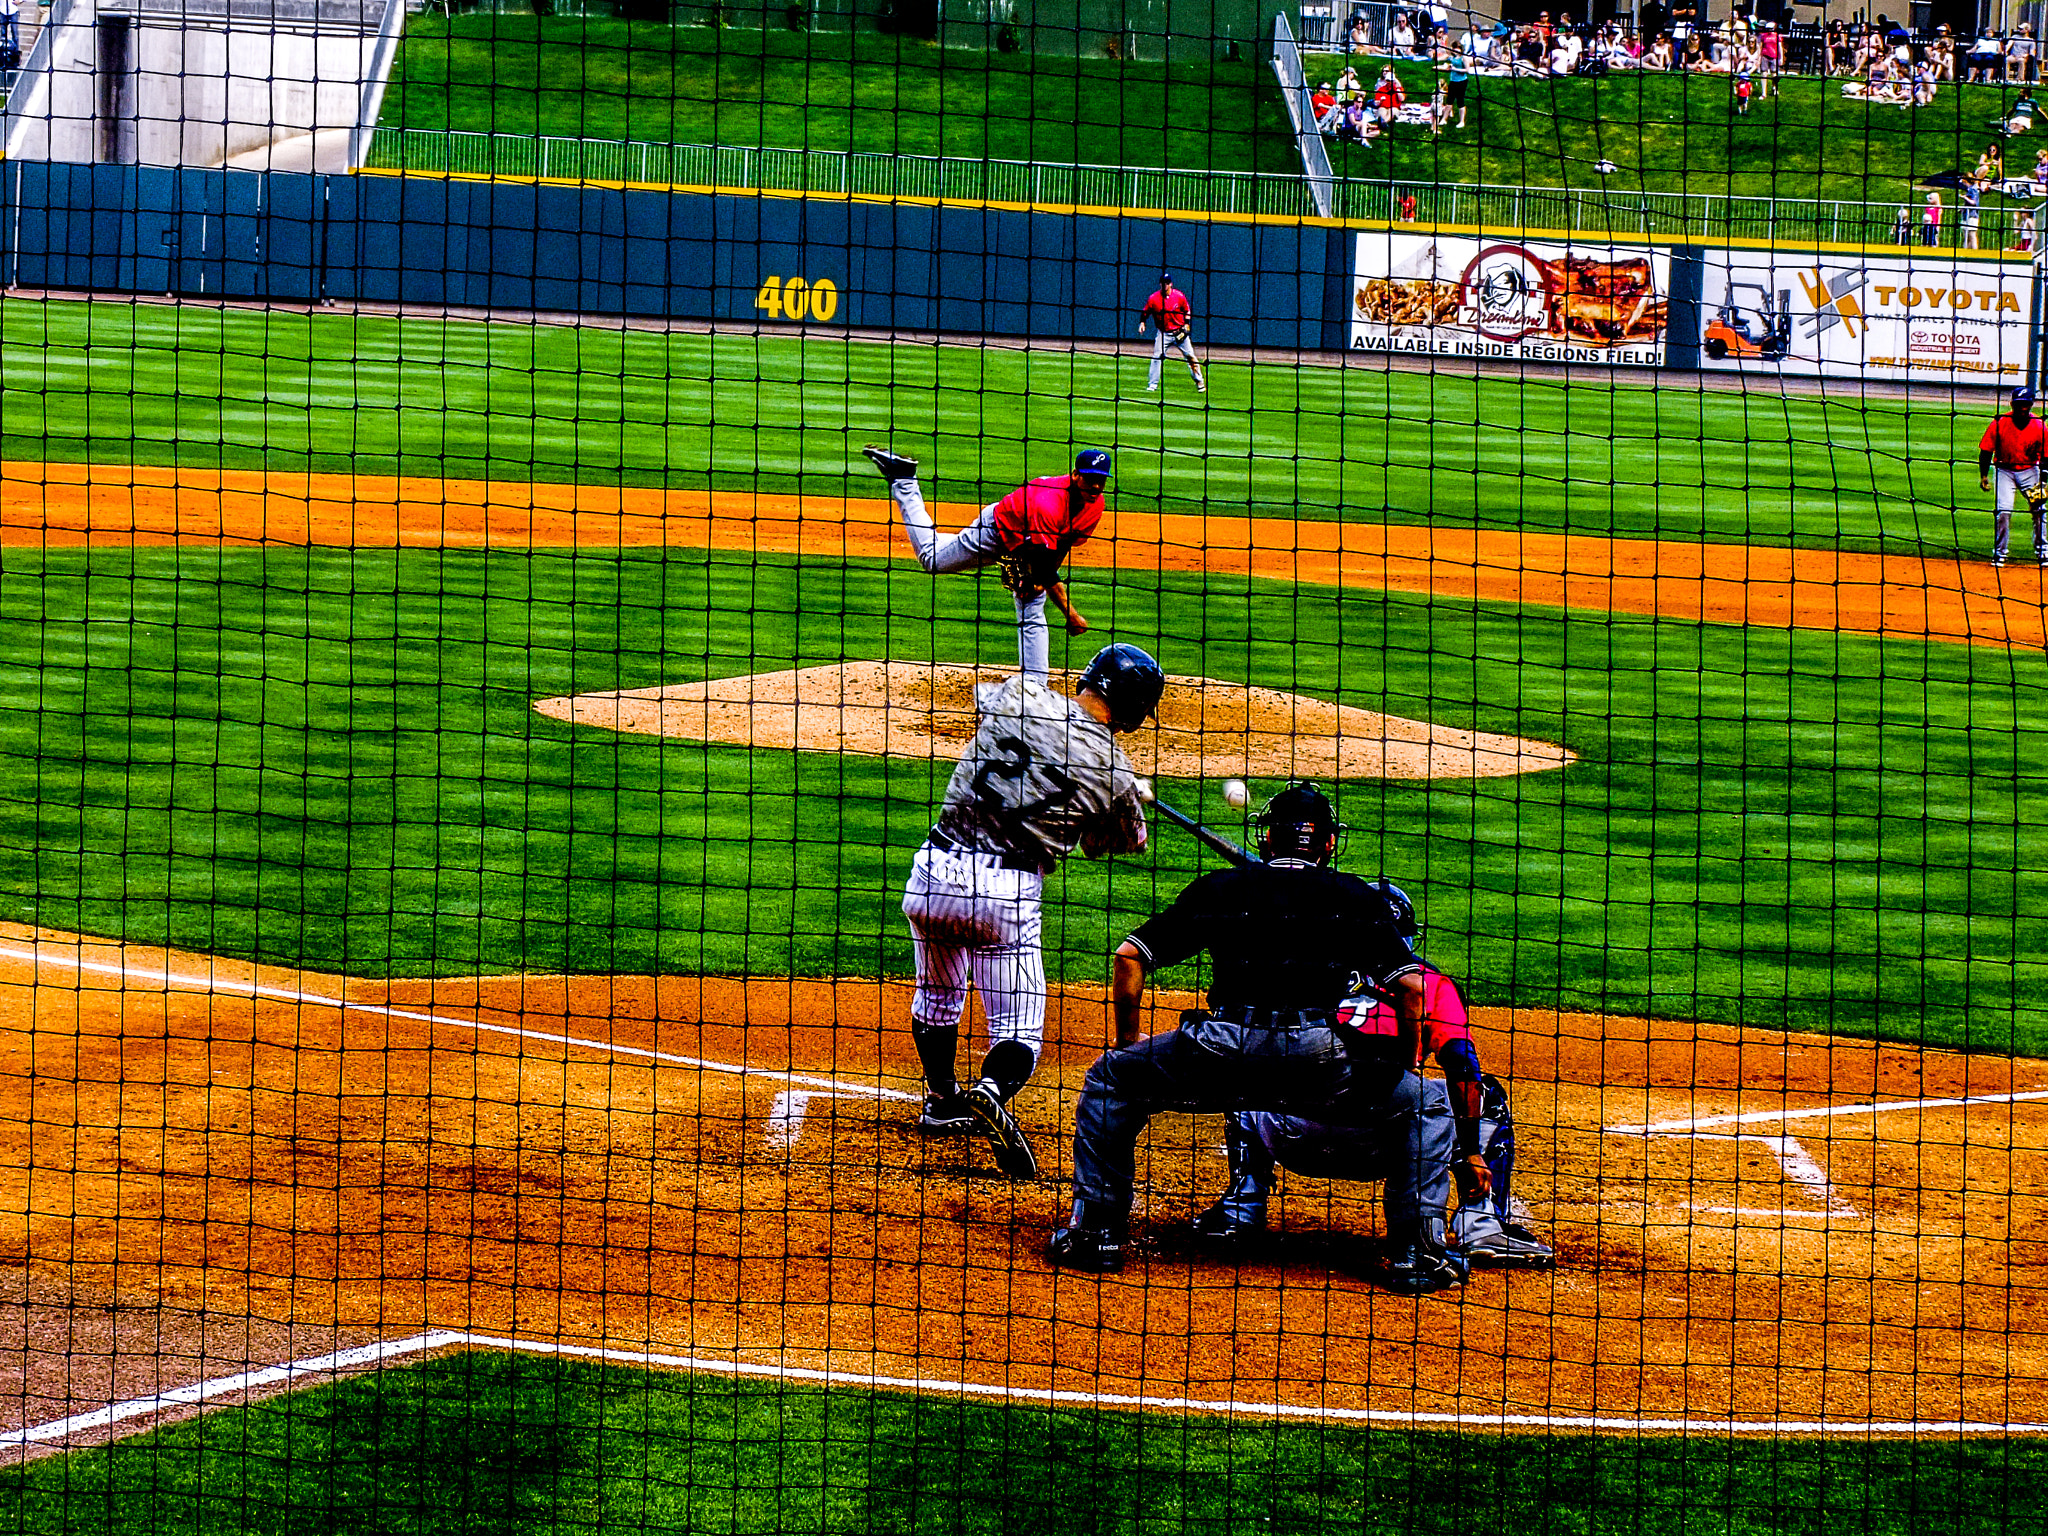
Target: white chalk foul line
point(1766, 1116)
point(206, 984)
point(377, 1354)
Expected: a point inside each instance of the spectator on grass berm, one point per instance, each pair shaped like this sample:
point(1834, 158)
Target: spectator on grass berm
point(1694, 60)
point(1770, 59)
point(1358, 38)
point(1347, 84)
point(1991, 164)
point(2024, 111)
point(1323, 106)
point(1660, 57)
point(1388, 96)
point(1924, 85)
point(1458, 83)
point(1941, 53)
point(2022, 57)
point(2013, 447)
point(1930, 220)
point(1358, 125)
point(1987, 58)
point(1402, 39)
point(1439, 109)
point(1742, 92)
point(1532, 53)
point(1440, 46)
point(1835, 52)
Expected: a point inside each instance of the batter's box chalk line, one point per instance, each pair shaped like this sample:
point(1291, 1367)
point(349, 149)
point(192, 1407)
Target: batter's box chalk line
point(785, 1117)
point(330, 1368)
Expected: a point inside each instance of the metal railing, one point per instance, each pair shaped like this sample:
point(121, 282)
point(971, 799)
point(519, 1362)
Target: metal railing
point(1308, 137)
point(847, 173)
point(1592, 212)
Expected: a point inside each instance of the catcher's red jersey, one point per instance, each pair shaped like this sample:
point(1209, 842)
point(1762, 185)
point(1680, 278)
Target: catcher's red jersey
point(1055, 513)
point(1169, 311)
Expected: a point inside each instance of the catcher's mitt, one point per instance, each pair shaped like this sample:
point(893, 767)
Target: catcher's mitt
point(1029, 569)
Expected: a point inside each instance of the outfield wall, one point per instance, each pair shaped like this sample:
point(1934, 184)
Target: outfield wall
point(883, 265)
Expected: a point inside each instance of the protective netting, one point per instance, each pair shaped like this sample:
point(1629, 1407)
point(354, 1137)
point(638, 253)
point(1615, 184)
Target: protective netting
point(657, 674)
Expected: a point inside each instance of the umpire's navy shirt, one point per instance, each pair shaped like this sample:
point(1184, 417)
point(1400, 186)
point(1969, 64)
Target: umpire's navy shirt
point(1284, 936)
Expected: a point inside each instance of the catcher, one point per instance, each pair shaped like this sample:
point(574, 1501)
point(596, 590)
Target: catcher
point(1171, 318)
point(1027, 535)
point(1487, 1227)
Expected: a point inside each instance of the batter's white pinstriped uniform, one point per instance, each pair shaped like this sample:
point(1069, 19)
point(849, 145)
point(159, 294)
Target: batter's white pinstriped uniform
point(1041, 778)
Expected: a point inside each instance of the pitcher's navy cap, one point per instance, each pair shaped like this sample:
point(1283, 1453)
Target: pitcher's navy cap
point(1092, 461)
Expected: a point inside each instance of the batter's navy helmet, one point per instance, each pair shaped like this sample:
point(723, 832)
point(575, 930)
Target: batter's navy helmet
point(1402, 908)
point(1298, 823)
point(1092, 461)
point(1128, 680)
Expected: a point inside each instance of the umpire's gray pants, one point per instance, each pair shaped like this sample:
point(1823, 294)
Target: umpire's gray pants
point(1207, 1066)
point(975, 546)
point(1181, 344)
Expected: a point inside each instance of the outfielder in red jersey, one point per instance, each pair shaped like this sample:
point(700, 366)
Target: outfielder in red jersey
point(1028, 533)
point(1171, 318)
point(1487, 1227)
point(2013, 447)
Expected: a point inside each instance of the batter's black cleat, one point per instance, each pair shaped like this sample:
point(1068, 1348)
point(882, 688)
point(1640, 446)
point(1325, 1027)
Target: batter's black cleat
point(946, 1115)
point(894, 466)
point(1005, 1137)
point(1087, 1249)
point(1416, 1268)
point(1217, 1231)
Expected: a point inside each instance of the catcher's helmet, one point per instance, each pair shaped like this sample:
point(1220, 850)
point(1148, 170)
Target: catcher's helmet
point(1092, 461)
point(1298, 823)
point(1128, 680)
point(1402, 908)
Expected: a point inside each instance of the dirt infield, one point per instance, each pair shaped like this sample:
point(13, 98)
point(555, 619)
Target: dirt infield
point(1896, 595)
point(440, 1155)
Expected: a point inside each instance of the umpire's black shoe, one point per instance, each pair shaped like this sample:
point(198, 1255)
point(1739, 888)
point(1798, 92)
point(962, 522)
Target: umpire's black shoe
point(1416, 1268)
point(1005, 1137)
point(1087, 1249)
point(946, 1115)
point(894, 466)
point(1219, 1232)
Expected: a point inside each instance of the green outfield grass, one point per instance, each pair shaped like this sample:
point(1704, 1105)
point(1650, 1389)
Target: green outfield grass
point(576, 78)
point(596, 79)
point(507, 1444)
point(329, 759)
point(190, 386)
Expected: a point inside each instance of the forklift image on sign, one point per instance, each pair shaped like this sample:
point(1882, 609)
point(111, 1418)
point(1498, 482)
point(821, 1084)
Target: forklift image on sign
point(1762, 330)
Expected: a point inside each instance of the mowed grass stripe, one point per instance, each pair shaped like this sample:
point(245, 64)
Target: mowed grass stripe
point(329, 759)
point(460, 399)
point(509, 1443)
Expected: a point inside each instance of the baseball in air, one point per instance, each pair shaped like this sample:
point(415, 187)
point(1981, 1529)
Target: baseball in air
point(1236, 793)
point(1145, 790)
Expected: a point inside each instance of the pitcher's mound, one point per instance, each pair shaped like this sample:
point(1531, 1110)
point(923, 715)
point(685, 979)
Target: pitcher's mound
point(1206, 728)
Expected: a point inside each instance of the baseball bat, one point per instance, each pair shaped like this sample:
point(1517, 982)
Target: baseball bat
point(1215, 840)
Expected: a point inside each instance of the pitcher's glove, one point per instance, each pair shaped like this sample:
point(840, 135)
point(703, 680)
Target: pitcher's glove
point(2036, 496)
point(1029, 569)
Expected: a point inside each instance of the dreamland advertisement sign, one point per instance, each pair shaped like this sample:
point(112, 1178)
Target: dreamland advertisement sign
point(1905, 317)
point(1456, 296)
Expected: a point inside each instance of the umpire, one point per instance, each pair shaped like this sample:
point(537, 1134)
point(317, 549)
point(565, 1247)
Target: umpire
point(1285, 937)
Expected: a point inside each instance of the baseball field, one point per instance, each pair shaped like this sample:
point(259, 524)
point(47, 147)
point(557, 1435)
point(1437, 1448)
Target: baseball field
point(454, 1062)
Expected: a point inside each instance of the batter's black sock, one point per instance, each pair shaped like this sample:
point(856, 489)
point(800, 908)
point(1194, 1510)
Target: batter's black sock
point(937, 1045)
point(1008, 1065)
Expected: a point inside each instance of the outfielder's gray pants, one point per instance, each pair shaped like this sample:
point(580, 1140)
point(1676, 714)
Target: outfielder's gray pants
point(973, 547)
point(2006, 487)
point(1211, 1066)
point(1181, 344)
